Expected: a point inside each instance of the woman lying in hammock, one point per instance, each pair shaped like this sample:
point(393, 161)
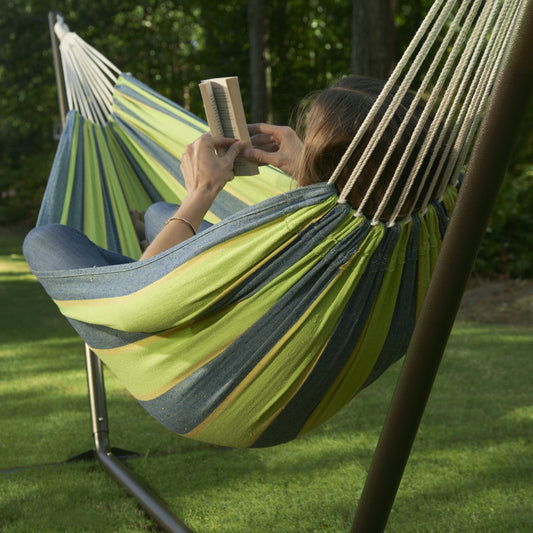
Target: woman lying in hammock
point(330, 122)
point(309, 304)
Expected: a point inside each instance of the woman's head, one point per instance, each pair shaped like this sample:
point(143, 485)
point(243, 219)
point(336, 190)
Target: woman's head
point(330, 122)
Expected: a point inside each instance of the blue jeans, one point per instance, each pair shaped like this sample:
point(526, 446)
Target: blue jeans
point(156, 216)
point(58, 247)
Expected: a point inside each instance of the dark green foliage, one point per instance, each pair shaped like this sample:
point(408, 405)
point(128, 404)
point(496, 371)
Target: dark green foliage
point(508, 244)
point(28, 108)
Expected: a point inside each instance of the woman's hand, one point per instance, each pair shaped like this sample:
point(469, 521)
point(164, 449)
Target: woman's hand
point(203, 169)
point(274, 145)
point(205, 174)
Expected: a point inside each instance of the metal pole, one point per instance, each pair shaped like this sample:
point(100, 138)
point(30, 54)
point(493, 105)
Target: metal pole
point(108, 460)
point(97, 400)
point(471, 214)
point(58, 69)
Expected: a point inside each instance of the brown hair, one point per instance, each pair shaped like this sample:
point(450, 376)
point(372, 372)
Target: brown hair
point(331, 118)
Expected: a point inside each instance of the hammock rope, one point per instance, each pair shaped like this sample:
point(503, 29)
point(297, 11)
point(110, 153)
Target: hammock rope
point(421, 122)
point(428, 109)
point(451, 101)
point(460, 30)
point(392, 80)
point(89, 76)
point(491, 65)
point(404, 86)
point(479, 89)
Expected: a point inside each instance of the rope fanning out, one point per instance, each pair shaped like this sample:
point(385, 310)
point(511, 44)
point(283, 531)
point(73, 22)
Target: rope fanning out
point(471, 49)
point(402, 90)
point(479, 91)
point(456, 71)
point(449, 107)
point(456, 24)
point(89, 76)
point(494, 55)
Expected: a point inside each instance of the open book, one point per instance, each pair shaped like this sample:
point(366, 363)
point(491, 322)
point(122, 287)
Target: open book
point(225, 116)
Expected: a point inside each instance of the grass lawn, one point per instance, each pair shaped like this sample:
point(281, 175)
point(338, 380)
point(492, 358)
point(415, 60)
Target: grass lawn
point(471, 468)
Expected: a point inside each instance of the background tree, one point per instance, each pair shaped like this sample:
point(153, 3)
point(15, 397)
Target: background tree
point(309, 45)
point(372, 52)
point(258, 37)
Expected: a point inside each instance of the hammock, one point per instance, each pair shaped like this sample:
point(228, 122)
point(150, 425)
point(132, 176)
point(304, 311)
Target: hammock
point(262, 327)
point(120, 151)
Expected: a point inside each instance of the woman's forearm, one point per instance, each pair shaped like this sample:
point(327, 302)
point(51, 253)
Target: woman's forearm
point(205, 174)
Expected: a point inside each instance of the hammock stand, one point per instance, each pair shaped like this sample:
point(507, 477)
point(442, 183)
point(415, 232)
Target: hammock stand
point(485, 172)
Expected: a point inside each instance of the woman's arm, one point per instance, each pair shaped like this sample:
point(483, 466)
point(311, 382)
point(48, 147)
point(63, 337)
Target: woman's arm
point(205, 174)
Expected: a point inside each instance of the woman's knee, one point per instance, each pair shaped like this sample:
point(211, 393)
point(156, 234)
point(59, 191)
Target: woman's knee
point(59, 247)
point(156, 216)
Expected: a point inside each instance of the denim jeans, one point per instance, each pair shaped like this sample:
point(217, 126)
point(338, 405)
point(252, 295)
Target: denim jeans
point(156, 216)
point(58, 247)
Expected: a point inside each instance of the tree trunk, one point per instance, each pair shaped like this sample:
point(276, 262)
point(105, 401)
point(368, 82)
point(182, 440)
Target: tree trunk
point(372, 38)
point(257, 33)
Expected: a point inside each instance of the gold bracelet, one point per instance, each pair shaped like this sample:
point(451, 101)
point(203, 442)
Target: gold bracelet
point(182, 220)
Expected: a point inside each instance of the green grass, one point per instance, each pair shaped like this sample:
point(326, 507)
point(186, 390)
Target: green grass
point(471, 468)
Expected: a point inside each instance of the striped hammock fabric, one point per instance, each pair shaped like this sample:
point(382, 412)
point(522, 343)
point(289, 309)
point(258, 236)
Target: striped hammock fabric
point(102, 172)
point(262, 327)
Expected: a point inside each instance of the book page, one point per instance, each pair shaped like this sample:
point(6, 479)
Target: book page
point(210, 105)
point(226, 118)
point(226, 113)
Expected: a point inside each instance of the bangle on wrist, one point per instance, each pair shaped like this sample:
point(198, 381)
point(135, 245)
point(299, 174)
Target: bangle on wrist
point(185, 221)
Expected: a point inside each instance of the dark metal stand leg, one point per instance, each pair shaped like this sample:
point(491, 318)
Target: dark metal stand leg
point(105, 456)
point(471, 214)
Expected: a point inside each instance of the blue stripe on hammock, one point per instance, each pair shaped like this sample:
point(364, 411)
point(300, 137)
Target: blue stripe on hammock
point(404, 315)
point(111, 229)
point(337, 351)
point(142, 178)
point(54, 196)
point(407, 299)
point(76, 215)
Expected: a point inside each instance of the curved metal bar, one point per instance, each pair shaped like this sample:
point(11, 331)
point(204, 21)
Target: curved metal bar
point(109, 461)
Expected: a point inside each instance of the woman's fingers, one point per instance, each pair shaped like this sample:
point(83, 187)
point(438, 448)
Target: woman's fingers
point(262, 127)
point(220, 142)
point(207, 163)
point(233, 151)
point(263, 141)
point(261, 157)
point(274, 145)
